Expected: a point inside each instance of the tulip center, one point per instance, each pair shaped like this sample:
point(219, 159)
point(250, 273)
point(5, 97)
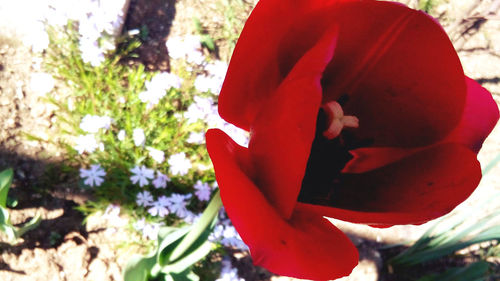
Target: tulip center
point(337, 120)
point(329, 155)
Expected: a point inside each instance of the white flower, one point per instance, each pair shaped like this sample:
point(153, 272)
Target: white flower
point(144, 198)
point(91, 52)
point(177, 204)
point(157, 155)
point(217, 69)
point(196, 138)
point(179, 164)
point(189, 48)
point(150, 231)
point(175, 47)
point(138, 137)
point(41, 83)
point(205, 83)
point(158, 86)
point(161, 180)
point(203, 190)
point(200, 109)
point(86, 143)
point(159, 207)
point(121, 135)
point(112, 215)
point(140, 224)
point(93, 176)
point(92, 123)
point(141, 175)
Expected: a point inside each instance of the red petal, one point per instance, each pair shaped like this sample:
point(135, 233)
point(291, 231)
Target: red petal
point(418, 188)
point(400, 71)
point(283, 131)
point(479, 117)
point(306, 246)
point(254, 72)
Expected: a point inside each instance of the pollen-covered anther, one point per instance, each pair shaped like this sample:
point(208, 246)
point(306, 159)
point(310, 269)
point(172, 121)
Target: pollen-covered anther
point(336, 120)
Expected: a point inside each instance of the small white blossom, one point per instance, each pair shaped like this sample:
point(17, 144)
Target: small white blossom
point(157, 155)
point(161, 180)
point(203, 190)
point(200, 109)
point(158, 86)
point(204, 83)
point(86, 143)
point(150, 231)
point(188, 47)
point(112, 215)
point(159, 207)
point(144, 198)
point(196, 138)
point(141, 175)
point(179, 164)
point(121, 135)
point(92, 123)
point(93, 176)
point(41, 83)
point(177, 204)
point(138, 137)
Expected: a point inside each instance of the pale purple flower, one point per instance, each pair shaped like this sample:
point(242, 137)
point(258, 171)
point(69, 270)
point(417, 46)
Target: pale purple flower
point(141, 175)
point(177, 204)
point(159, 207)
point(203, 190)
point(93, 176)
point(228, 272)
point(86, 143)
point(144, 198)
point(161, 180)
point(179, 164)
point(204, 83)
point(199, 110)
point(138, 137)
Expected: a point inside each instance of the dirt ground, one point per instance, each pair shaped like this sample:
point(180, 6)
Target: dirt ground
point(63, 247)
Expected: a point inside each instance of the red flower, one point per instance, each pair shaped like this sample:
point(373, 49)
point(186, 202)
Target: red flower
point(357, 110)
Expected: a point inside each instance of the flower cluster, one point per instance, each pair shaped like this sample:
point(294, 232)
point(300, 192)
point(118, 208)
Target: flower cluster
point(157, 87)
point(188, 48)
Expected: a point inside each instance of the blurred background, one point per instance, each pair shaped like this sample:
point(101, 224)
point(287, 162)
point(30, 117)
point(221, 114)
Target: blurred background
point(103, 105)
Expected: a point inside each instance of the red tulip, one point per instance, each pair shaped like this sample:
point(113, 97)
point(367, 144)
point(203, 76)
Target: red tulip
point(357, 110)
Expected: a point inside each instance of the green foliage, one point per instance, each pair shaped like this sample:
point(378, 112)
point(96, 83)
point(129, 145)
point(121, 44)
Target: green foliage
point(177, 250)
point(13, 233)
point(427, 5)
point(477, 271)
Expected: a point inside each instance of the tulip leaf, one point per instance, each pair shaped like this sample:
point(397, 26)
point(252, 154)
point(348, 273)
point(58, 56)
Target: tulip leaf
point(474, 272)
point(199, 227)
point(5, 182)
point(32, 224)
point(188, 260)
point(138, 267)
point(168, 241)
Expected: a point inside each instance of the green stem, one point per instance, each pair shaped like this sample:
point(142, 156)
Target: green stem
point(201, 225)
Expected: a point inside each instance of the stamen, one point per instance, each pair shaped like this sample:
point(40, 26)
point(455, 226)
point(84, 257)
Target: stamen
point(336, 120)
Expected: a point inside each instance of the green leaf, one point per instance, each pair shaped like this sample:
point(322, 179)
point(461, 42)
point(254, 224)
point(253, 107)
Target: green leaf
point(199, 228)
point(32, 224)
point(185, 276)
point(5, 225)
point(168, 241)
point(138, 267)
point(5, 182)
point(191, 258)
point(473, 272)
